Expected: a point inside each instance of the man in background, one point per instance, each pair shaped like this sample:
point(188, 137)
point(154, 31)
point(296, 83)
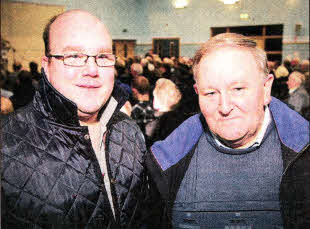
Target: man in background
point(142, 111)
point(243, 162)
point(70, 158)
point(298, 96)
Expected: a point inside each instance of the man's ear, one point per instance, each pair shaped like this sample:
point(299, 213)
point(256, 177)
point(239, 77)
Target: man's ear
point(133, 89)
point(267, 89)
point(196, 88)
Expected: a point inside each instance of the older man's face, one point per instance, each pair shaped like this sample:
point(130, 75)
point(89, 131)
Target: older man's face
point(232, 94)
point(89, 86)
point(293, 81)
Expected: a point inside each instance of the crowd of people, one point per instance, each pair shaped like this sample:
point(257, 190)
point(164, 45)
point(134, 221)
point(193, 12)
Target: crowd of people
point(178, 72)
point(18, 87)
point(292, 83)
point(161, 90)
point(96, 141)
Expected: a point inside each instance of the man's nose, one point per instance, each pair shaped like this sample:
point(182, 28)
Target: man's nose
point(225, 104)
point(91, 67)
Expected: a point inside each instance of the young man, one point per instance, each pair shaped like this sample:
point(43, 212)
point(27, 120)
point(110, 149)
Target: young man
point(244, 161)
point(70, 158)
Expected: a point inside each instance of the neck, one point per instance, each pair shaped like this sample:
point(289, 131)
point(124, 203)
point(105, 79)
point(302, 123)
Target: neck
point(240, 144)
point(87, 119)
point(145, 97)
point(250, 139)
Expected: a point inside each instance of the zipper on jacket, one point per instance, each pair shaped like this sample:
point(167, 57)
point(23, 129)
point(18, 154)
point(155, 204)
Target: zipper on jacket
point(293, 161)
point(112, 181)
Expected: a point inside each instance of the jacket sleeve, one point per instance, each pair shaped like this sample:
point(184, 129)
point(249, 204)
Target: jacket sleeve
point(295, 194)
point(157, 201)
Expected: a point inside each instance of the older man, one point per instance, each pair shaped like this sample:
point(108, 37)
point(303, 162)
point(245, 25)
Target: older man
point(70, 158)
point(244, 161)
point(298, 96)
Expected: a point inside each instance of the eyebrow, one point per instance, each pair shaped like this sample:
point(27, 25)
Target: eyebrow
point(81, 50)
point(72, 48)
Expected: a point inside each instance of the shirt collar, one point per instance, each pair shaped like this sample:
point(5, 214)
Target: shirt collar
point(292, 90)
point(260, 135)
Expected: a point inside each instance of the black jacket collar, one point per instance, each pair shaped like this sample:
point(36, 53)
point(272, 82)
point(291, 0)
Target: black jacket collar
point(59, 109)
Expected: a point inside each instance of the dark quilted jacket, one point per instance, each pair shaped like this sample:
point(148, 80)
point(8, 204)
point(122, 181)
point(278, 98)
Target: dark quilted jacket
point(51, 177)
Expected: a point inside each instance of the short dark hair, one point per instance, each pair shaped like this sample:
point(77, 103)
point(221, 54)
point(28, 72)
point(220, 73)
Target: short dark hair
point(142, 84)
point(33, 66)
point(17, 66)
point(46, 34)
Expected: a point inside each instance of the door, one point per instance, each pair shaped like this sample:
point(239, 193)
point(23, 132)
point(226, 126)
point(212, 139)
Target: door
point(124, 48)
point(166, 47)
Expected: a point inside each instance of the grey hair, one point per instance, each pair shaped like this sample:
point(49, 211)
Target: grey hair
point(234, 40)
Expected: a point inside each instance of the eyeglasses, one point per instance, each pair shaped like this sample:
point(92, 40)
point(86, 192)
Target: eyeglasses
point(80, 59)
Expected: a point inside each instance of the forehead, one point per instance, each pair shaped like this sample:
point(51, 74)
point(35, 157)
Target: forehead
point(81, 31)
point(229, 64)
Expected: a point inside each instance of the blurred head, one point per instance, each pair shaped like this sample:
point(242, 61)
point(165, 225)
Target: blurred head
point(168, 61)
point(33, 66)
point(140, 85)
point(166, 95)
point(304, 66)
point(295, 80)
point(136, 69)
point(151, 67)
point(88, 86)
point(295, 62)
point(17, 66)
point(144, 62)
point(234, 86)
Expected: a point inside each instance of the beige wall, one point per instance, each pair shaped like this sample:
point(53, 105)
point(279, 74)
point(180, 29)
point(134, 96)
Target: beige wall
point(22, 25)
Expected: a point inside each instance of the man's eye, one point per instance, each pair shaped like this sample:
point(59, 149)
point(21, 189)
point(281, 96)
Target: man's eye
point(238, 88)
point(102, 56)
point(75, 56)
point(211, 93)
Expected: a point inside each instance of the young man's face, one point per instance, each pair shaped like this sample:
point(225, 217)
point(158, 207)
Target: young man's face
point(89, 86)
point(232, 94)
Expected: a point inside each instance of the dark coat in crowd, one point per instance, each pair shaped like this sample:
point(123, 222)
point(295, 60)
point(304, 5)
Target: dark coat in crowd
point(50, 175)
point(162, 126)
point(24, 90)
point(279, 88)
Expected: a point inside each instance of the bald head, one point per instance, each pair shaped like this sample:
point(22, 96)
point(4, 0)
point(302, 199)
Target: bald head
point(71, 21)
point(69, 37)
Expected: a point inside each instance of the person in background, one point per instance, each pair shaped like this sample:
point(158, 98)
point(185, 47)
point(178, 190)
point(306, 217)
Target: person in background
point(168, 112)
point(13, 76)
point(304, 68)
point(243, 162)
point(71, 159)
point(136, 69)
point(279, 87)
point(298, 98)
point(142, 111)
point(24, 90)
point(36, 76)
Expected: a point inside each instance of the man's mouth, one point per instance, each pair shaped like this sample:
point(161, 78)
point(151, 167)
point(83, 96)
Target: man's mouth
point(89, 85)
point(227, 119)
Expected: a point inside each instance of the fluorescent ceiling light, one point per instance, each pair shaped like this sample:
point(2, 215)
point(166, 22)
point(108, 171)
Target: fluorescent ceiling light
point(244, 16)
point(180, 3)
point(229, 1)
